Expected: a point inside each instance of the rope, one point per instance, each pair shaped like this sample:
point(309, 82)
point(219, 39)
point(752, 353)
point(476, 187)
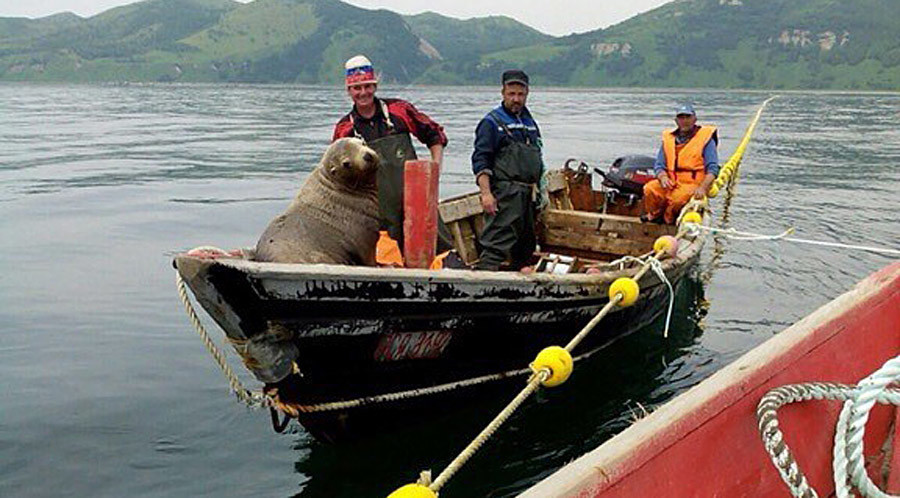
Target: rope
point(621, 262)
point(735, 160)
point(656, 266)
point(873, 388)
point(535, 381)
point(488, 431)
point(412, 393)
point(260, 400)
point(733, 234)
point(295, 409)
point(850, 427)
point(839, 454)
point(729, 172)
point(251, 399)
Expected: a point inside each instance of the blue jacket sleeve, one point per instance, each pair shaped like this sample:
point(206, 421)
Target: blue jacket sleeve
point(711, 158)
point(660, 164)
point(486, 142)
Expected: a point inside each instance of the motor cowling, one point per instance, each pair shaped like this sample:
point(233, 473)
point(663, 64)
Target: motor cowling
point(628, 174)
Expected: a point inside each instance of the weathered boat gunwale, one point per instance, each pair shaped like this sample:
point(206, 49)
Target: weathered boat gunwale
point(292, 271)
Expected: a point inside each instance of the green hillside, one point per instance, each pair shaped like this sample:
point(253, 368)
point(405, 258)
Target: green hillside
point(466, 39)
point(814, 44)
point(729, 44)
point(317, 55)
point(22, 30)
point(218, 40)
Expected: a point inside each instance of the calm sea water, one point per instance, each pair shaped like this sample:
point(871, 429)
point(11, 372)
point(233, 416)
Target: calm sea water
point(105, 390)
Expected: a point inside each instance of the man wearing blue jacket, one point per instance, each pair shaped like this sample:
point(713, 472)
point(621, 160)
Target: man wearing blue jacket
point(508, 166)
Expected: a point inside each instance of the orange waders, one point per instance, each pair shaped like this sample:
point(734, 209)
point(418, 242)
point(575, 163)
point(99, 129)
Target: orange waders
point(685, 168)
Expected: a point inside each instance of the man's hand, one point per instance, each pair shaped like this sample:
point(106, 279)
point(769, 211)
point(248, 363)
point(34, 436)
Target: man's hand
point(703, 189)
point(665, 181)
point(488, 203)
point(437, 153)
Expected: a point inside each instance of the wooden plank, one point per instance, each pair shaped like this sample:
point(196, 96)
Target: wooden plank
point(467, 237)
point(465, 227)
point(620, 206)
point(461, 207)
point(624, 226)
point(459, 241)
point(586, 256)
point(478, 220)
point(556, 181)
point(580, 190)
point(595, 243)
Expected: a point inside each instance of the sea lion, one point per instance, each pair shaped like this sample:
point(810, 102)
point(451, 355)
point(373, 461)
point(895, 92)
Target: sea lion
point(334, 217)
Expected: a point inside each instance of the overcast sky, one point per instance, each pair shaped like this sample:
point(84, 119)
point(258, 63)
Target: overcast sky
point(560, 17)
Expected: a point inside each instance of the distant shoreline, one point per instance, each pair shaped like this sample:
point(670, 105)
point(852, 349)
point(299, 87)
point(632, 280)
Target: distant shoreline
point(388, 88)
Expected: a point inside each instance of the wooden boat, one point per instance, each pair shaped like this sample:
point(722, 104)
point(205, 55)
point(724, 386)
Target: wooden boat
point(706, 442)
point(348, 348)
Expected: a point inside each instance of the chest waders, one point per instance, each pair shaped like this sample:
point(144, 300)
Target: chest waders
point(394, 150)
point(509, 234)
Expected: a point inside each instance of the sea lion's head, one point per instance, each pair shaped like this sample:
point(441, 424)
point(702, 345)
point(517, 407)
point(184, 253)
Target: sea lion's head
point(350, 162)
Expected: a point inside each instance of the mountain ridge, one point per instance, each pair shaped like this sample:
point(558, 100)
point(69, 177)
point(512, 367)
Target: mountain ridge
point(771, 44)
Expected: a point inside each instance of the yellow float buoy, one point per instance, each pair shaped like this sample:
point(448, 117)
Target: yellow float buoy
point(692, 217)
point(558, 361)
point(667, 245)
point(628, 288)
point(413, 491)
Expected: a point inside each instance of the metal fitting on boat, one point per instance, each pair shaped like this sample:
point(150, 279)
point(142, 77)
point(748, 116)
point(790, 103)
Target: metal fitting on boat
point(556, 359)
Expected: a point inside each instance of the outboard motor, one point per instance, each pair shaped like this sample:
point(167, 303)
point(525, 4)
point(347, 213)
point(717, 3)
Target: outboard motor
point(624, 183)
point(628, 174)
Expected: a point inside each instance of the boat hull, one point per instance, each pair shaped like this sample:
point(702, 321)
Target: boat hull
point(358, 334)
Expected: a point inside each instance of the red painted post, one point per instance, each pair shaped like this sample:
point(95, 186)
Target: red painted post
point(420, 212)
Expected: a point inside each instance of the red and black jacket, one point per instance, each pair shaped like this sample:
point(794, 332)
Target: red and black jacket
point(405, 118)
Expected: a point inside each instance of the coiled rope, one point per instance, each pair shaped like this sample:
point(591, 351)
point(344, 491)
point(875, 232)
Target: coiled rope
point(850, 429)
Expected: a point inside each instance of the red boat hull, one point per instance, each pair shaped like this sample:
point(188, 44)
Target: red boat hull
point(706, 443)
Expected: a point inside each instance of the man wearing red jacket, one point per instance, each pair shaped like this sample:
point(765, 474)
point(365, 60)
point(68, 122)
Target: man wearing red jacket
point(386, 126)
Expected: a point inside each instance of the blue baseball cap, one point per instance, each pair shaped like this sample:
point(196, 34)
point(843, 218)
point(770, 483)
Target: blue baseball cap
point(685, 109)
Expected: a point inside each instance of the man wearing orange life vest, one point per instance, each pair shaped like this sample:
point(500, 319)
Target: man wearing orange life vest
point(686, 166)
